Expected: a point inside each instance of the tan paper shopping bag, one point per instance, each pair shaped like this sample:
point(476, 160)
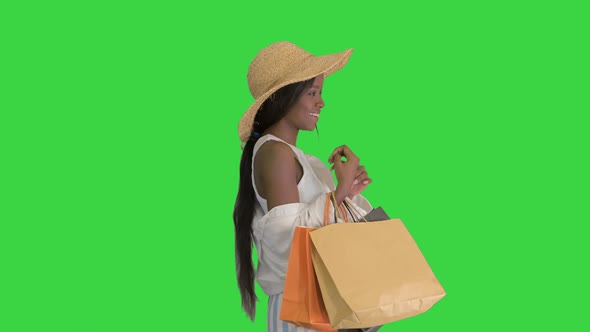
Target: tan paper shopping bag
point(372, 273)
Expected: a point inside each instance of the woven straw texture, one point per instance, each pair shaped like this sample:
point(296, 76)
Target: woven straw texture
point(281, 64)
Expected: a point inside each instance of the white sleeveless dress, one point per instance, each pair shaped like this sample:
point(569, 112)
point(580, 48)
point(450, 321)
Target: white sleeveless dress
point(273, 230)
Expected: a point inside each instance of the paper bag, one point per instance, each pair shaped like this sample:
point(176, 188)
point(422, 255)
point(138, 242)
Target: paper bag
point(377, 214)
point(302, 301)
point(372, 273)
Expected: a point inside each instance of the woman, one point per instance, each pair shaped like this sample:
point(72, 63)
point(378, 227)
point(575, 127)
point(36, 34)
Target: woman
point(280, 186)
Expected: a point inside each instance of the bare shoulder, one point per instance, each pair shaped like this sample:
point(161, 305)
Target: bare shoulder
point(274, 153)
point(274, 160)
point(275, 173)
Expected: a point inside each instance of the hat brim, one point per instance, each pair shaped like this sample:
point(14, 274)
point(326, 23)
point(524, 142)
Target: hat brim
point(303, 71)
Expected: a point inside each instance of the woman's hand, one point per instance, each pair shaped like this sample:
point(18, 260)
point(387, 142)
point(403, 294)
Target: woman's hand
point(361, 182)
point(352, 177)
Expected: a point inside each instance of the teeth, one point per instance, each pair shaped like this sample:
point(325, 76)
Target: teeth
point(314, 114)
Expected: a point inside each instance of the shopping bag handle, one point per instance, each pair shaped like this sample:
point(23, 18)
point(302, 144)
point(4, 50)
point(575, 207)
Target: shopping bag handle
point(341, 209)
point(327, 210)
point(338, 210)
point(351, 209)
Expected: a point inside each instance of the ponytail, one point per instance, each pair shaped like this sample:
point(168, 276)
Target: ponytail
point(271, 111)
point(243, 217)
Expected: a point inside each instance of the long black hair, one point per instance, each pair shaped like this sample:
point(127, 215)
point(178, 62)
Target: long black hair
point(271, 111)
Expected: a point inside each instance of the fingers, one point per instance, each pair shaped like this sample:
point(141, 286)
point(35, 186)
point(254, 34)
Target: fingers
point(360, 170)
point(337, 163)
point(361, 176)
point(358, 188)
point(336, 152)
point(341, 151)
point(367, 181)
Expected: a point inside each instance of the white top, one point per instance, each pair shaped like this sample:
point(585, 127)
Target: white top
point(273, 230)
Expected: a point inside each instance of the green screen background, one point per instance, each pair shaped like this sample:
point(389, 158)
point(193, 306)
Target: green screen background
point(120, 155)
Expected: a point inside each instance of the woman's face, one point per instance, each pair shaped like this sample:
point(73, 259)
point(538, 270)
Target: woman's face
point(306, 112)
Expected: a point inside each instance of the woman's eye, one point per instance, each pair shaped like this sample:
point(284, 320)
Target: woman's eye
point(313, 94)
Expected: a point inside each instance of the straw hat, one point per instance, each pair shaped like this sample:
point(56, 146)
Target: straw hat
point(281, 64)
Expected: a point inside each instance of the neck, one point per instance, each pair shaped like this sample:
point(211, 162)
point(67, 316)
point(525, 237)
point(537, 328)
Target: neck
point(284, 132)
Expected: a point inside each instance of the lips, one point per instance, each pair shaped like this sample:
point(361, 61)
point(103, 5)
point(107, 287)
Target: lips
point(317, 115)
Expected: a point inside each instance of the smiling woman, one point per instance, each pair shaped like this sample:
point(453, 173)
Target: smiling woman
point(306, 110)
point(281, 187)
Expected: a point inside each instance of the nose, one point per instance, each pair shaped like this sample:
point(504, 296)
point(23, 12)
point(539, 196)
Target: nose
point(321, 103)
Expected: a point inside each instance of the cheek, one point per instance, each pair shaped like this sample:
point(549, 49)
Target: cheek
point(296, 113)
point(307, 106)
point(300, 109)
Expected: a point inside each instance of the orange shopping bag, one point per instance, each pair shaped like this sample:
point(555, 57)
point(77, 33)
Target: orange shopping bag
point(302, 301)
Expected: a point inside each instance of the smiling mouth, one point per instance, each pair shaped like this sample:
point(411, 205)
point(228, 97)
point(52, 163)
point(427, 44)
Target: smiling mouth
point(314, 114)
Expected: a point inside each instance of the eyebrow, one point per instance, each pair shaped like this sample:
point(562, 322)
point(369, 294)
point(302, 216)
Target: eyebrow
point(316, 86)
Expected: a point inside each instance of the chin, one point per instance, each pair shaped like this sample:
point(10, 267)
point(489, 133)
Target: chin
point(309, 128)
